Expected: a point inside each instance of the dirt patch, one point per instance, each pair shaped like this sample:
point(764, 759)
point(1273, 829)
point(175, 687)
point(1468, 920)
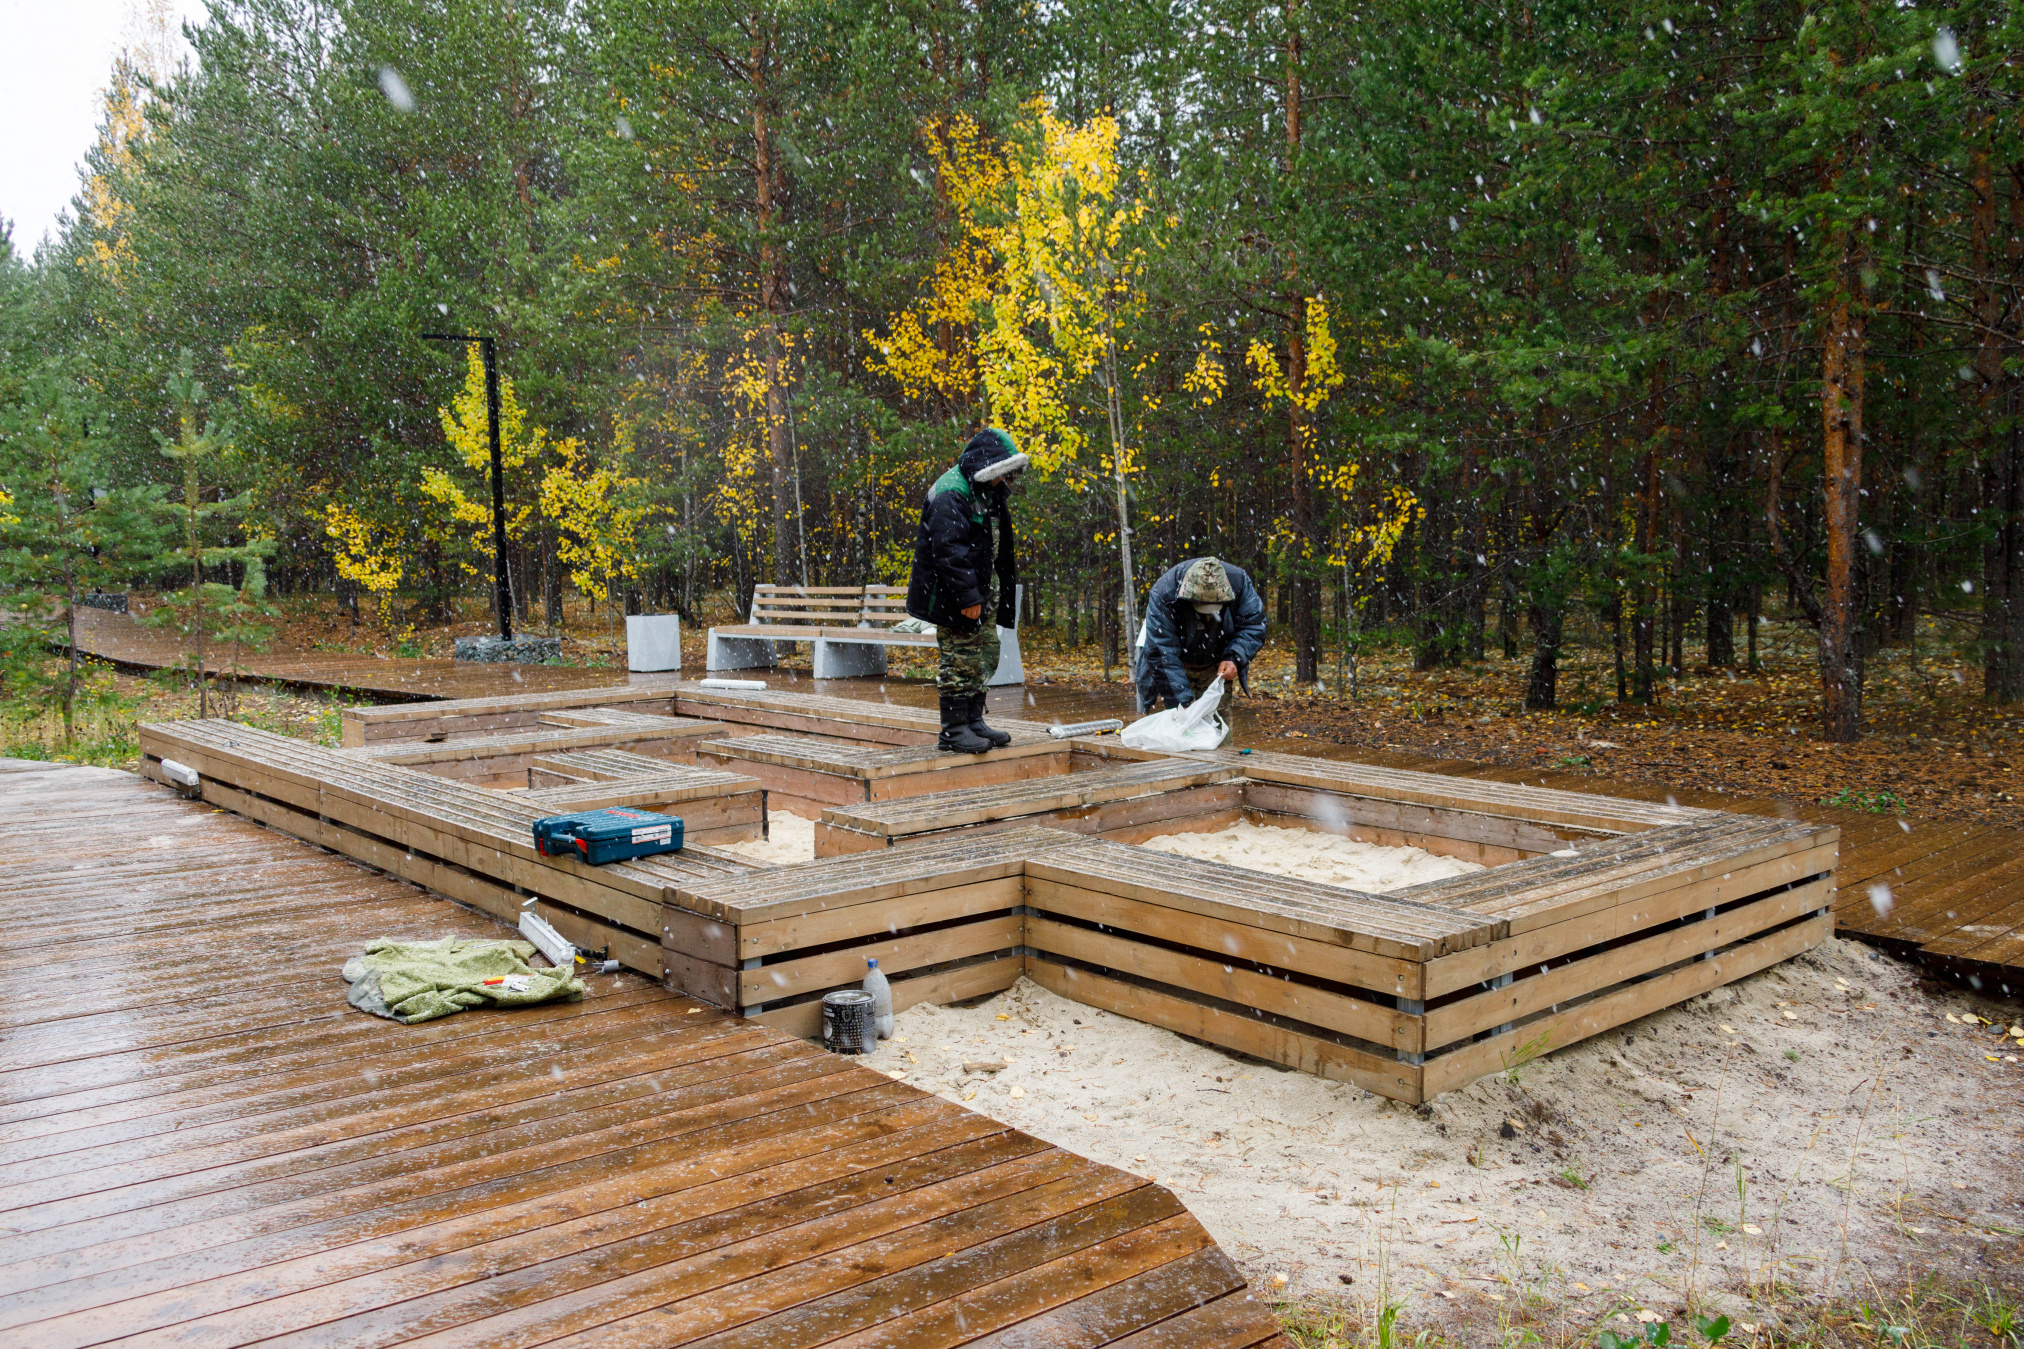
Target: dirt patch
point(1820, 1126)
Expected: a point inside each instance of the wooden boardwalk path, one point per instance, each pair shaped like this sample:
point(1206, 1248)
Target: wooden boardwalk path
point(203, 1143)
point(123, 641)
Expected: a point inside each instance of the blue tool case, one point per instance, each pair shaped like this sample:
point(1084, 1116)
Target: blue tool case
point(611, 835)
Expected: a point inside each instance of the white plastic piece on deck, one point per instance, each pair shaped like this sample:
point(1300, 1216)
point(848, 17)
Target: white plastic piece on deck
point(551, 943)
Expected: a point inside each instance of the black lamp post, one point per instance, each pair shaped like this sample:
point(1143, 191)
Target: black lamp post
point(502, 588)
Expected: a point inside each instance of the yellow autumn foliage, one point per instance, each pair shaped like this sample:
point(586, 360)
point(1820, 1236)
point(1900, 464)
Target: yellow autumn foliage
point(370, 555)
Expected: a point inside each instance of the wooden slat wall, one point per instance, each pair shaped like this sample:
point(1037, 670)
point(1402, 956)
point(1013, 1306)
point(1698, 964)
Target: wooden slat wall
point(1945, 889)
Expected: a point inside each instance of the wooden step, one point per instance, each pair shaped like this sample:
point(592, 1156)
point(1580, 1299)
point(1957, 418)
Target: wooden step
point(490, 716)
point(1071, 800)
point(503, 759)
point(715, 807)
point(806, 775)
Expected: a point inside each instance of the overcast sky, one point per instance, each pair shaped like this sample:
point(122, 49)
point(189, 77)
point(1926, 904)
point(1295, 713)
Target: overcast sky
point(54, 58)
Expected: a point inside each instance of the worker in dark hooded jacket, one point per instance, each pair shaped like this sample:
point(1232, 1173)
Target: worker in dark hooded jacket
point(954, 562)
point(1204, 619)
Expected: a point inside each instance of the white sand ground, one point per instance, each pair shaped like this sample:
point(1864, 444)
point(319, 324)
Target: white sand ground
point(1821, 1125)
point(1313, 856)
point(789, 839)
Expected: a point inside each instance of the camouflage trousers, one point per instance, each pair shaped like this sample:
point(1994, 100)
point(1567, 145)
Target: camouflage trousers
point(968, 659)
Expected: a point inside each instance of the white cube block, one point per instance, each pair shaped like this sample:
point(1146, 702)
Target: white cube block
point(653, 642)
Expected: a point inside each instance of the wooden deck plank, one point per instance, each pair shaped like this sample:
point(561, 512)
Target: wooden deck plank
point(246, 1158)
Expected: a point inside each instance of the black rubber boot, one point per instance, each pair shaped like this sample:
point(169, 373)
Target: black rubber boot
point(957, 737)
point(998, 739)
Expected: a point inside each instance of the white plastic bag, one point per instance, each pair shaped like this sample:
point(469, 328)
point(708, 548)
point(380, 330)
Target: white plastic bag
point(1180, 729)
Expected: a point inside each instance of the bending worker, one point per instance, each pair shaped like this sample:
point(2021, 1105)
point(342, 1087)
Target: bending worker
point(951, 584)
point(1204, 618)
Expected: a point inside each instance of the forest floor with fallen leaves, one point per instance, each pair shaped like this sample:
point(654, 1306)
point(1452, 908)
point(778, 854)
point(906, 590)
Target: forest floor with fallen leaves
point(1931, 747)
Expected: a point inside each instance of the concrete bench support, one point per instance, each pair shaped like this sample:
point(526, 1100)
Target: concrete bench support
point(1011, 670)
point(841, 658)
point(739, 653)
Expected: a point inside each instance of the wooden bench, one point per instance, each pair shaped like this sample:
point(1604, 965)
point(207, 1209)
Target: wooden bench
point(819, 714)
point(1486, 822)
point(847, 627)
point(503, 760)
point(1131, 801)
point(1407, 994)
point(942, 918)
point(808, 776)
point(474, 845)
point(451, 719)
point(715, 806)
point(1429, 988)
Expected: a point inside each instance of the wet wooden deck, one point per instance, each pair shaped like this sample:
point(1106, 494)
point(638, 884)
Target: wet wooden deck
point(203, 1143)
point(123, 641)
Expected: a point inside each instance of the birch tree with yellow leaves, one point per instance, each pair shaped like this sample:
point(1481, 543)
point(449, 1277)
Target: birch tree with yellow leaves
point(526, 453)
point(1070, 247)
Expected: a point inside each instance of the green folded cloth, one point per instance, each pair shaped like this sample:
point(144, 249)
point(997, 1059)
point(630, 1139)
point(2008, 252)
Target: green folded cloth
point(414, 981)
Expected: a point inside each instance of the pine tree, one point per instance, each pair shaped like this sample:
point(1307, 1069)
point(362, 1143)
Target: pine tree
point(199, 523)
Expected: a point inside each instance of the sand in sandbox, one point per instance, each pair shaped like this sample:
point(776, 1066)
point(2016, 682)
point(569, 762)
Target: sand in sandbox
point(1308, 856)
point(789, 839)
point(1867, 1131)
point(1298, 853)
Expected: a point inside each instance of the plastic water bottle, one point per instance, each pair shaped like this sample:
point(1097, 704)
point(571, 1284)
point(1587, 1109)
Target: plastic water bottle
point(881, 999)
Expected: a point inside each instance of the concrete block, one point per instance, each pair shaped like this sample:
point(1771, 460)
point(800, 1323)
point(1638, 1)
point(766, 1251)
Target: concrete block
point(739, 653)
point(653, 642)
point(841, 658)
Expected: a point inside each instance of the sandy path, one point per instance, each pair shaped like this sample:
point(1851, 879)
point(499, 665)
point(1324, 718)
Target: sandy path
point(1864, 1129)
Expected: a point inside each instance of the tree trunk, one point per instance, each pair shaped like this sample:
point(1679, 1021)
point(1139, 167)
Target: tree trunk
point(2002, 471)
point(1841, 389)
point(1615, 610)
point(1306, 618)
point(70, 655)
point(1541, 686)
point(1644, 619)
point(1750, 620)
point(551, 579)
point(1721, 620)
point(772, 304)
point(1114, 409)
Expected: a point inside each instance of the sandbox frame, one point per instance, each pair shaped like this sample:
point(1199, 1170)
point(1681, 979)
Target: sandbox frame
point(1594, 912)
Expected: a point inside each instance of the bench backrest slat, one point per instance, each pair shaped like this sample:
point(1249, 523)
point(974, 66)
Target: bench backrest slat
point(884, 604)
point(817, 605)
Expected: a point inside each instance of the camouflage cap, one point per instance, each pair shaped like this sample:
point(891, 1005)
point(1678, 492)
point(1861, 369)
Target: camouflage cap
point(1205, 582)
